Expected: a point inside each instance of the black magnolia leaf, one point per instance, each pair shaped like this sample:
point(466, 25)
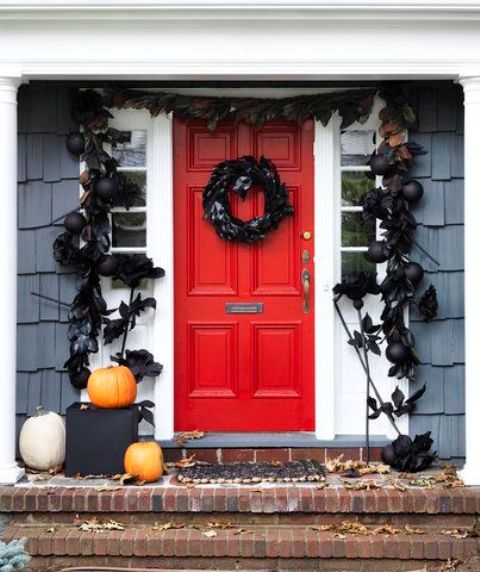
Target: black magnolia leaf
point(65, 251)
point(114, 329)
point(133, 268)
point(398, 397)
point(140, 362)
point(410, 455)
point(144, 412)
point(373, 346)
point(356, 285)
point(416, 396)
point(428, 304)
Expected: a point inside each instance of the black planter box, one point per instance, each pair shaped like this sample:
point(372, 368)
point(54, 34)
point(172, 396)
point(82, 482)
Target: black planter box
point(98, 438)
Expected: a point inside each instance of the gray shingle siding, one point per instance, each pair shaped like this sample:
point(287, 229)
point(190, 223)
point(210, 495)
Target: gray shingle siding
point(47, 187)
point(441, 344)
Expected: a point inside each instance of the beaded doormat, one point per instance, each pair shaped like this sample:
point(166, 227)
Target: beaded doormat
point(248, 473)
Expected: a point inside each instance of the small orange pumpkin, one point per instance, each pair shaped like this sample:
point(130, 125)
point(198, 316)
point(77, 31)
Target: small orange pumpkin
point(112, 387)
point(144, 460)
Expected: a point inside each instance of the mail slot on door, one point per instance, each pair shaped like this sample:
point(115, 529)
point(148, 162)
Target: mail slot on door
point(244, 308)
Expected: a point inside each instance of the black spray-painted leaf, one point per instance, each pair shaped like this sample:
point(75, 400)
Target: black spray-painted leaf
point(415, 396)
point(373, 346)
point(113, 329)
point(140, 362)
point(144, 412)
point(398, 397)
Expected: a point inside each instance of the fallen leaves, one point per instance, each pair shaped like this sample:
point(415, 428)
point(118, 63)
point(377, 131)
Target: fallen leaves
point(187, 462)
point(366, 485)
point(338, 465)
point(209, 529)
point(168, 525)
point(128, 479)
point(182, 438)
point(411, 530)
point(93, 525)
point(357, 528)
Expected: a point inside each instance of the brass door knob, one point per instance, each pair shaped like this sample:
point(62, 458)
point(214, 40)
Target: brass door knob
point(306, 235)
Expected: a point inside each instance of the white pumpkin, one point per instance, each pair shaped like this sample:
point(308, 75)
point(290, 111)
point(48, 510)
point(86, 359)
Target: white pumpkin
point(42, 441)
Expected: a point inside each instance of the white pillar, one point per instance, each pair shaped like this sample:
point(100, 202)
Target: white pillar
point(9, 470)
point(471, 471)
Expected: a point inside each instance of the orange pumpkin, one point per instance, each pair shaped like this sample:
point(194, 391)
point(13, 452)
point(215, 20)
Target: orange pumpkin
point(112, 387)
point(144, 460)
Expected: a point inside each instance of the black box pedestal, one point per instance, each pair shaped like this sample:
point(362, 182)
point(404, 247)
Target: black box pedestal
point(98, 438)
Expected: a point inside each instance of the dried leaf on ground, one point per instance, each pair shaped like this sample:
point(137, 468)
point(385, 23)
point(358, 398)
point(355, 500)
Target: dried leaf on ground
point(50, 530)
point(220, 525)
point(187, 462)
point(411, 530)
point(451, 564)
point(385, 529)
point(361, 485)
point(449, 477)
point(94, 525)
point(106, 489)
point(209, 533)
point(425, 482)
point(168, 525)
point(456, 533)
point(399, 486)
point(84, 407)
point(371, 469)
point(338, 465)
point(55, 470)
point(182, 438)
point(322, 486)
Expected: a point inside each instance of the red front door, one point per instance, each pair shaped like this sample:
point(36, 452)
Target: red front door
point(243, 372)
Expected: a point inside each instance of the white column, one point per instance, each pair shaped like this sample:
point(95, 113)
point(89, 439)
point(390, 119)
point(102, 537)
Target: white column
point(471, 471)
point(9, 470)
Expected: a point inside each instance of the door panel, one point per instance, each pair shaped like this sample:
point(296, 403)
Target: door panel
point(242, 372)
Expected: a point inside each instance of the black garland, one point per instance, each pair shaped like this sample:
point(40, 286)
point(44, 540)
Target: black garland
point(241, 175)
point(352, 105)
point(104, 187)
point(389, 203)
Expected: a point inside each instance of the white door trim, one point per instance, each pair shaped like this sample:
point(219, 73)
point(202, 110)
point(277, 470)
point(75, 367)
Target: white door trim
point(327, 247)
point(160, 231)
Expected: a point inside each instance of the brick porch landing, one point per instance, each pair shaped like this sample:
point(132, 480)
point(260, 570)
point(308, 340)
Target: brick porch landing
point(269, 527)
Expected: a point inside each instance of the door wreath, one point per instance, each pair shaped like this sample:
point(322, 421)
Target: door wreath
point(240, 175)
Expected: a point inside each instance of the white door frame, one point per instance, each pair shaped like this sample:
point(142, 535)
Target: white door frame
point(160, 245)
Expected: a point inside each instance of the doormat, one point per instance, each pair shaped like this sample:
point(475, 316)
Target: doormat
point(248, 473)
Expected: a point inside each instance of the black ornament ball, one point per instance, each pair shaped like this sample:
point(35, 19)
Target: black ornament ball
point(108, 265)
point(379, 164)
point(414, 272)
point(75, 143)
point(388, 455)
point(396, 352)
point(75, 222)
point(105, 188)
point(412, 191)
point(377, 252)
point(79, 378)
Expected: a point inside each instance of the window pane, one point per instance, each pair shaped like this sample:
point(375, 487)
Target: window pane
point(356, 231)
point(133, 152)
point(139, 177)
point(354, 185)
point(129, 229)
point(357, 146)
point(355, 262)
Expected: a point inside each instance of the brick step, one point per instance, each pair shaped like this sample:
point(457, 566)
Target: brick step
point(257, 542)
point(252, 499)
point(149, 519)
